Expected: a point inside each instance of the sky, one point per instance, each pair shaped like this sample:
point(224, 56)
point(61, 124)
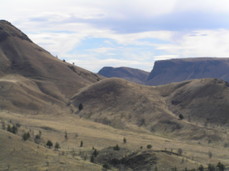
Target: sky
point(132, 33)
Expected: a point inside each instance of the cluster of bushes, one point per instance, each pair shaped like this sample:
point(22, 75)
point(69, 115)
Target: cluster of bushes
point(211, 167)
point(13, 129)
point(49, 144)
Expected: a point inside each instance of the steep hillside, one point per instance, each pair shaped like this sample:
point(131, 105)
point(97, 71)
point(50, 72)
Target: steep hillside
point(130, 74)
point(201, 100)
point(24, 62)
point(117, 102)
point(176, 70)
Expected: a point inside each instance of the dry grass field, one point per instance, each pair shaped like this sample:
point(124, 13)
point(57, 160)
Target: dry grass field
point(16, 153)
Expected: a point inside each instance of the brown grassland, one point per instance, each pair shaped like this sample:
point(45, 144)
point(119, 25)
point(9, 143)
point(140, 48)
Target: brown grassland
point(25, 155)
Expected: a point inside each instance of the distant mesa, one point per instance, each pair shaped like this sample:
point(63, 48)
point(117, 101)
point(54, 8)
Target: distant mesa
point(130, 74)
point(176, 70)
point(173, 70)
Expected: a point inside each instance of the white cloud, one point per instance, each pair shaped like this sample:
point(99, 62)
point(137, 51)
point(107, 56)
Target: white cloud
point(164, 57)
point(60, 26)
point(221, 6)
point(102, 50)
point(57, 43)
point(142, 8)
point(133, 38)
point(200, 43)
point(88, 62)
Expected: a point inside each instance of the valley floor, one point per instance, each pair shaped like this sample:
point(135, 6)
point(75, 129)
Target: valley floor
point(77, 137)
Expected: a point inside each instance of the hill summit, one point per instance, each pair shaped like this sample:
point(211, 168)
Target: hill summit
point(30, 77)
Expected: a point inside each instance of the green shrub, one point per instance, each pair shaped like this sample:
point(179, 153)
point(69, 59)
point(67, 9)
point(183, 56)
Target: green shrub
point(80, 107)
point(81, 143)
point(116, 148)
point(211, 167)
point(201, 168)
point(106, 166)
point(124, 140)
point(181, 116)
point(95, 153)
point(57, 146)
point(13, 129)
point(37, 139)
point(26, 136)
point(149, 146)
point(220, 166)
point(92, 159)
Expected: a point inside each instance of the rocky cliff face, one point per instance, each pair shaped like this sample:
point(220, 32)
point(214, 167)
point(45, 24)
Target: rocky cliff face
point(176, 70)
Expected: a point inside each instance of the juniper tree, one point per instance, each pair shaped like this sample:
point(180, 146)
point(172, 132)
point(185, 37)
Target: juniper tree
point(124, 140)
point(66, 135)
point(201, 168)
point(220, 166)
point(80, 107)
point(49, 144)
point(81, 143)
point(181, 116)
point(26, 136)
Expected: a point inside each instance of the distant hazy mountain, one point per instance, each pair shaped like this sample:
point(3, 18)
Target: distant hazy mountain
point(175, 70)
point(130, 74)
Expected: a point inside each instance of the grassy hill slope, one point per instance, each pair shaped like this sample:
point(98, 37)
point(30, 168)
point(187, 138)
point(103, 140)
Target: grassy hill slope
point(71, 156)
point(47, 76)
point(117, 102)
point(201, 100)
point(17, 154)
